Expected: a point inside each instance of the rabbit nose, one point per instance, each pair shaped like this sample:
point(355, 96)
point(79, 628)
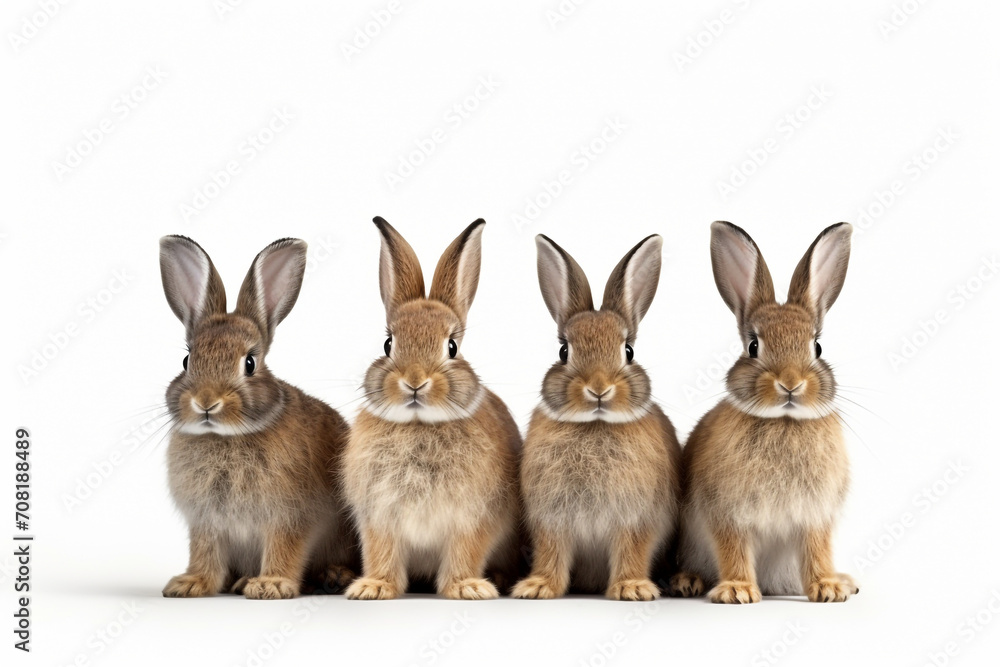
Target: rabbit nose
point(210, 410)
point(793, 391)
point(601, 396)
point(410, 389)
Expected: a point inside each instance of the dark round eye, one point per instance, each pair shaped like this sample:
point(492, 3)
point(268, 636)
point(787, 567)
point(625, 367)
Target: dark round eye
point(185, 362)
point(752, 349)
point(629, 353)
point(564, 353)
point(452, 348)
point(251, 364)
point(388, 346)
point(819, 350)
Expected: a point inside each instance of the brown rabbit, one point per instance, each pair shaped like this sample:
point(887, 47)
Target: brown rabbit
point(252, 460)
point(766, 470)
point(431, 467)
point(601, 466)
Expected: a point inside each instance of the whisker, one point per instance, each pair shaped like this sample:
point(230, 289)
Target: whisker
point(846, 425)
point(871, 412)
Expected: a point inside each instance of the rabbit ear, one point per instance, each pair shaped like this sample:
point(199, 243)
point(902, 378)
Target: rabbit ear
point(633, 283)
point(564, 285)
point(457, 274)
point(400, 278)
point(193, 287)
point(819, 277)
point(740, 271)
point(272, 284)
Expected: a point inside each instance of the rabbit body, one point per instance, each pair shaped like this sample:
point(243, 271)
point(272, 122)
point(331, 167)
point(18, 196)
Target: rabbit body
point(245, 489)
point(775, 482)
point(766, 471)
point(601, 466)
point(253, 462)
point(426, 485)
point(431, 467)
point(591, 481)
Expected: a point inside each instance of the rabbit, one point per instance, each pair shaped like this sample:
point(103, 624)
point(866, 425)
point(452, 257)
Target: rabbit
point(252, 460)
point(431, 467)
point(600, 471)
point(766, 470)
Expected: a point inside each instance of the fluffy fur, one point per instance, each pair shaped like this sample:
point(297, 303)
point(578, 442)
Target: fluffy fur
point(252, 461)
point(766, 470)
point(600, 471)
point(431, 467)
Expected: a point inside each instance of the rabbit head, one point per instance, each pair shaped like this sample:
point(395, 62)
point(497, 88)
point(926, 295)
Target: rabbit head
point(226, 387)
point(423, 376)
point(596, 378)
point(781, 372)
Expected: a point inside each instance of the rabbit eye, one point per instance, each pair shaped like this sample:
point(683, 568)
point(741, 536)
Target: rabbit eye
point(819, 350)
point(388, 346)
point(185, 362)
point(629, 353)
point(452, 348)
point(564, 353)
point(752, 348)
point(250, 364)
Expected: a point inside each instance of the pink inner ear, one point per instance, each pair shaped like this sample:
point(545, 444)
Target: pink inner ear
point(642, 276)
point(191, 279)
point(386, 274)
point(825, 270)
point(274, 277)
point(467, 279)
point(555, 283)
point(738, 265)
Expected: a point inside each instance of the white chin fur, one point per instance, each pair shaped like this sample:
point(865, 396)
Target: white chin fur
point(202, 428)
point(428, 414)
point(778, 411)
point(245, 428)
point(609, 416)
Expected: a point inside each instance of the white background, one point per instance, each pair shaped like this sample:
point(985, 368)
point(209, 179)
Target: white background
point(887, 95)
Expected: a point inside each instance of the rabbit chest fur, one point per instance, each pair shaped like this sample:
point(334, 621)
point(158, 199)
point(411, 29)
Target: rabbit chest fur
point(777, 475)
point(240, 485)
point(426, 482)
point(594, 479)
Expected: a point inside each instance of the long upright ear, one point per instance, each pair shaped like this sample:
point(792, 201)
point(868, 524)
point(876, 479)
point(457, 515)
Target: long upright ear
point(564, 285)
point(400, 278)
point(819, 277)
point(193, 287)
point(272, 284)
point(457, 274)
point(632, 285)
point(740, 271)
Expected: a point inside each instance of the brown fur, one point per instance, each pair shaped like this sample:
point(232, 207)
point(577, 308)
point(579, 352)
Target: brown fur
point(766, 470)
point(431, 470)
point(260, 489)
point(598, 495)
point(601, 489)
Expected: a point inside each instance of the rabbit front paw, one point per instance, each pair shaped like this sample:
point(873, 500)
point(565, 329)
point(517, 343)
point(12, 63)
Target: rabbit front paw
point(190, 586)
point(270, 588)
point(633, 590)
point(829, 589)
point(536, 588)
point(367, 588)
point(470, 589)
point(735, 592)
